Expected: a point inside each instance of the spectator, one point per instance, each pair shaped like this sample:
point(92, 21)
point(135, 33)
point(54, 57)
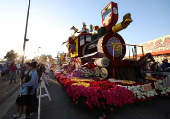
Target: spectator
point(34, 77)
point(49, 66)
point(3, 69)
point(25, 70)
point(165, 64)
point(18, 69)
point(7, 71)
point(144, 69)
point(0, 66)
point(22, 99)
point(34, 83)
point(153, 67)
point(33, 60)
point(12, 72)
point(40, 70)
point(159, 66)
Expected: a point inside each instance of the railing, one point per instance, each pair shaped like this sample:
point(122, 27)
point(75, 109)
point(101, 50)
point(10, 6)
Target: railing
point(115, 44)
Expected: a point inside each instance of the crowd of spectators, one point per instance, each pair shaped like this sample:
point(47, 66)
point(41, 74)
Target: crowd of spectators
point(8, 71)
point(30, 77)
point(26, 101)
point(157, 66)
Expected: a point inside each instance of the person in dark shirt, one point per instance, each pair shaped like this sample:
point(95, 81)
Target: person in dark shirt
point(25, 70)
point(7, 71)
point(165, 64)
point(3, 69)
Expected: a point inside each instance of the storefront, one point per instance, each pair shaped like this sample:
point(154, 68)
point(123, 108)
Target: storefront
point(159, 48)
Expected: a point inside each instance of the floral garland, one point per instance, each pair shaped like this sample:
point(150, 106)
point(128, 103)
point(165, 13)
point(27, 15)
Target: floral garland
point(95, 90)
point(137, 88)
point(82, 72)
point(150, 78)
point(163, 85)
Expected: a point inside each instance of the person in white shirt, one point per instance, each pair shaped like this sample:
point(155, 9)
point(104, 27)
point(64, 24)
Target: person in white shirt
point(18, 69)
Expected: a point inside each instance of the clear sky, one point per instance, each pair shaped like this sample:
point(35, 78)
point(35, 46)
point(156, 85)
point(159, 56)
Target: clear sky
point(50, 22)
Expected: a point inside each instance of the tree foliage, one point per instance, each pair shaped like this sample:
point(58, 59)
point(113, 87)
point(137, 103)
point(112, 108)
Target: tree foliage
point(43, 58)
point(50, 59)
point(28, 60)
point(2, 60)
point(12, 55)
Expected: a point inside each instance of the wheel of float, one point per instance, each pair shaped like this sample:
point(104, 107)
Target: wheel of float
point(97, 71)
point(104, 72)
point(105, 62)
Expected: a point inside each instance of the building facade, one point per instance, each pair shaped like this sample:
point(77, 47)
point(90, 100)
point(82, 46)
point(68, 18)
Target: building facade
point(159, 48)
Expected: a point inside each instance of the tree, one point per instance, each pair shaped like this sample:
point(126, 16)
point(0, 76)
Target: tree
point(50, 59)
point(19, 59)
point(11, 55)
point(28, 60)
point(43, 58)
point(2, 60)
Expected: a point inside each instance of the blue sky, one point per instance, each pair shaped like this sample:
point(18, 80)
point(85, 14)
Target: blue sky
point(50, 22)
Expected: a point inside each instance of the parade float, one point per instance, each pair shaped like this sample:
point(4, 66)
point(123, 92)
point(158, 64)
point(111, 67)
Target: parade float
point(97, 75)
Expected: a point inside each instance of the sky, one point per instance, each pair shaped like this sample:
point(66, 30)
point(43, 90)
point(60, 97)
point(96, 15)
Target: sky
point(50, 22)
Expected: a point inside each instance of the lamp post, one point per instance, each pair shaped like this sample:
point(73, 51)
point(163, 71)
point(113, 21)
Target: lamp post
point(38, 51)
point(35, 54)
point(25, 36)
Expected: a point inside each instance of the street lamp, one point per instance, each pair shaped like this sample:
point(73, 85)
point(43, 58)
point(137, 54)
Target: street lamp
point(38, 51)
point(25, 39)
point(35, 54)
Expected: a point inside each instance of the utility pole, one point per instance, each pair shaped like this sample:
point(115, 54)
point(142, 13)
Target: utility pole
point(25, 37)
point(38, 53)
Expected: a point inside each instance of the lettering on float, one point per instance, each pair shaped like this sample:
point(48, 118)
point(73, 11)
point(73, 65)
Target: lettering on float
point(157, 85)
point(166, 82)
point(158, 45)
point(147, 87)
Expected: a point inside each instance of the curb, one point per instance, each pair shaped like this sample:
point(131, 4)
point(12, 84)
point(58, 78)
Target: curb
point(9, 94)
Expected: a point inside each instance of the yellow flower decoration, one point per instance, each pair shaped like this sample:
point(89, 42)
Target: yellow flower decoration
point(150, 78)
point(101, 78)
point(82, 83)
point(81, 80)
point(128, 82)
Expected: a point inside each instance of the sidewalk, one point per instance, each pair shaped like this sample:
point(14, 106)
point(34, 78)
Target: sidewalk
point(8, 93)
point(7, 89)
point(61, 107)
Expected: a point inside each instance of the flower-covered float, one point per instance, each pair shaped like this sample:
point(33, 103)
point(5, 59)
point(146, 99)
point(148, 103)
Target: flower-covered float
point(98, 76)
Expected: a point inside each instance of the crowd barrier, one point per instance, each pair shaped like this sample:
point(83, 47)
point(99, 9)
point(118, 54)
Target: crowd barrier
point(44, 80)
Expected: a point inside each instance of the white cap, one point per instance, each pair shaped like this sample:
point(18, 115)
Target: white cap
point(84, 24)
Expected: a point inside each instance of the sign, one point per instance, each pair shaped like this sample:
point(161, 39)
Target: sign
point(156, 45)
point(147, 87)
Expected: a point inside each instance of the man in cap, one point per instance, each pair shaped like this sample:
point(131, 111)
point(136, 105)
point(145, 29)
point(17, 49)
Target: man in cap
point(165, 64)
point(84, 28)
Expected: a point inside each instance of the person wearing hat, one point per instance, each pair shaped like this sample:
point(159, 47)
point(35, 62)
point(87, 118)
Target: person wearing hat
point(165, 64)
point(33, 60)
point(84, 28)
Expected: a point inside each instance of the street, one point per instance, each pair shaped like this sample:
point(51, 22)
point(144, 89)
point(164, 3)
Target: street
point(61, 107)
